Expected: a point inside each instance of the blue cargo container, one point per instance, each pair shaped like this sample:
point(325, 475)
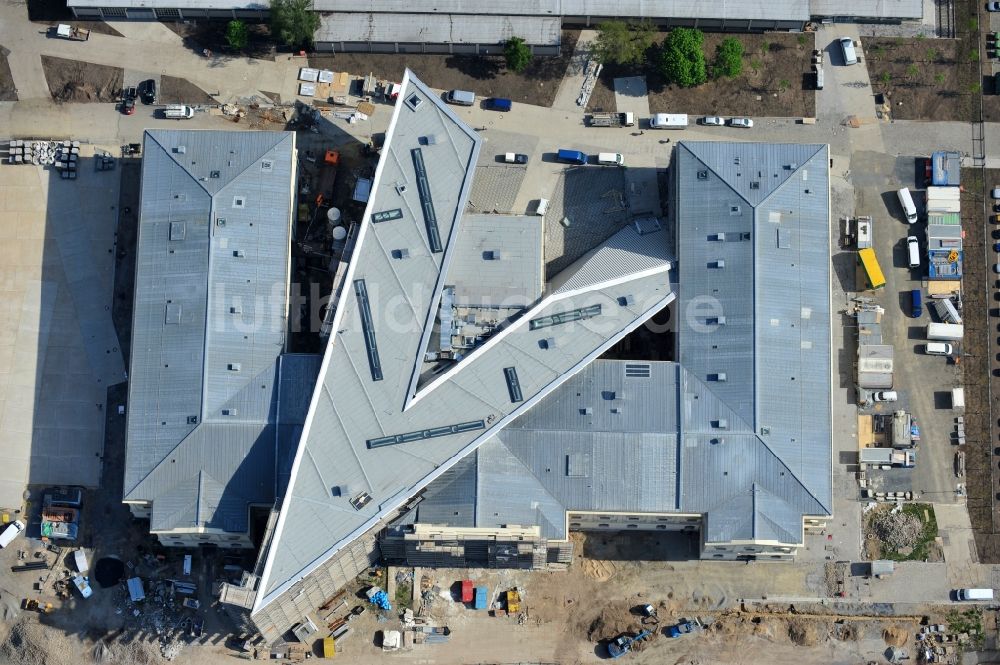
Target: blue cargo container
point(480, 601)
point(572, 156)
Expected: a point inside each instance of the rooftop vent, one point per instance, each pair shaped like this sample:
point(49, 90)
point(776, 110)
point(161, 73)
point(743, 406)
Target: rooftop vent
point(549, 343)
point(230, 412)
point(180, 150)
point(214, 174)
point(430, 139)
point(266, 165)
point(734, 209)
point(717, 264)
point(755, 184)
point(221, 221)
point(494, 255)
point(718, 440)
point(626, 301)
point(233, 367)
point(361, 500)
point(718, 376)
point(587, 411)
point(239, 253)
point(721, 237)
point(765, 430)
point(716, 320)
point(401, 253)
point(400, 188)
point(702, 175)
point(177, 230)
point(236, 309)
point(720, 423)
point(414, 101)
point(239, 201)
point(192, 420)
point(616, 409)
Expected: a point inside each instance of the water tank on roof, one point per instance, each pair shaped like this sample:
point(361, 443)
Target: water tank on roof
point(339, 232)
point(333, 216)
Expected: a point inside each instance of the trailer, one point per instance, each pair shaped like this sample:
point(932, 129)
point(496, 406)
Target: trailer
point(64, 31)
point(905, 432)
point(481, 598)
point(945, 332)
point(466, 591)
point(946, 310)
point(887, 457)
point(626, 119)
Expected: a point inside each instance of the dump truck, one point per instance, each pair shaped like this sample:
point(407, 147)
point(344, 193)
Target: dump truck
point(622, 644)
point(626, 119)
point(513, 602)
point(905, 432)
point(466, 591)
point(64, 31)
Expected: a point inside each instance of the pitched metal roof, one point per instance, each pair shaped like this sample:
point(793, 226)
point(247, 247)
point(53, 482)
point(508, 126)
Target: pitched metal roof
point(369, 431)
point(498, 261)
point(210, 314)
point(437, 28)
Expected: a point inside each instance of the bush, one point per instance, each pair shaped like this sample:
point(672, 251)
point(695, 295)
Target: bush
point(294, 22)
point(517, 53)
point(623, 43)
point(237, 35)
point(683, 61)
point(728, 58)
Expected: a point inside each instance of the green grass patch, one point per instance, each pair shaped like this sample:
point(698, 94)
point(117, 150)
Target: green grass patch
point(925, 513)
point(404, 593)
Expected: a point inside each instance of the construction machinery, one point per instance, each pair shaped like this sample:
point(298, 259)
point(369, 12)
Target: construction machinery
point(622, 644)
point(36, 605)
point(683, 627)
point(513, 601)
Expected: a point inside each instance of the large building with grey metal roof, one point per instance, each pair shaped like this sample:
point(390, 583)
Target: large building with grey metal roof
point(449, 430)
point(205, 431)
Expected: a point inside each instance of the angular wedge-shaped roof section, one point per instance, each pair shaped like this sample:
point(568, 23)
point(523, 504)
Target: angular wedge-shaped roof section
point(371, 441)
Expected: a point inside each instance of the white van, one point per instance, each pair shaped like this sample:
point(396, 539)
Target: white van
point(461, 97)
point(906, 201)
point(542, 207)
point(11, 532)
point(937, 349)
point(850, 55)
point(178, 112)
point(913, 251)
point(668, 121)
point(974, 594)
point(610, 159)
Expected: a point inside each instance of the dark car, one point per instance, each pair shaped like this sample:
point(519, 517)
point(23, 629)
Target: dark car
point(128, 100)
point(499, 104)
point(147, 91)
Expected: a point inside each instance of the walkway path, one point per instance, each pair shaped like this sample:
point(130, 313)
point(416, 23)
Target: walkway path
point(569, 88)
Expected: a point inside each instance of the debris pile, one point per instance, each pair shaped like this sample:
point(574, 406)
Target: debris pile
point(897, 529)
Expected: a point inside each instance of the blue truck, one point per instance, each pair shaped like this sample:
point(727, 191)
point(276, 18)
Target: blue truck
point(479, 600)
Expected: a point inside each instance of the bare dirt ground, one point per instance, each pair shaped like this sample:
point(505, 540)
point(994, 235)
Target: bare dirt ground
point(174, 90)
point(487, 76)
point(82, 82)
point(925, 79)
point(8, 93)
point(774, 82)
point(201, 35)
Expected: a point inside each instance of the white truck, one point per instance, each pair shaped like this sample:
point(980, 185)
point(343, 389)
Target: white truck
point(178, 112)
point(887, 456)
point(626, 119)
point(668, 121)
point(13, 530)
point(945, 332)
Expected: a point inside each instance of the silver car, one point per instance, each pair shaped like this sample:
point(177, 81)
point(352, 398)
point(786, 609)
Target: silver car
point(712, 120)
point(741, 122)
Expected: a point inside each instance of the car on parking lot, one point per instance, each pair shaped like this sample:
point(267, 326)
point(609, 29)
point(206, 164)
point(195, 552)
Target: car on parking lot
point(916, 303)
point(147, 91)
point(499, 104)
point(746, 123)
point(995, 193)
point(885, 396)
point(993, 6)
point(850, 54)
point(712, 121)
point(515, 158)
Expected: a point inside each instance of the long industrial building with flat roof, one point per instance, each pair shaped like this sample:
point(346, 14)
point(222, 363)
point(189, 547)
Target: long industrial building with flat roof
point(476, 28)
point(463, 415)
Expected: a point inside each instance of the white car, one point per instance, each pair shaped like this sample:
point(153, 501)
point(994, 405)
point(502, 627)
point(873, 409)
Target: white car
point(741, 122)
point(885, 396)
point(850, 55)
point(712, 120)
point(13, 530)
point(993, 6)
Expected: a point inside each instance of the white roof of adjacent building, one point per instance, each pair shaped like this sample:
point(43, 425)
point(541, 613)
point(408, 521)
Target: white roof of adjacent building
point(209, 322)
point(372, 430)
point(875, 9)
point(438, 28)
point(776, 10)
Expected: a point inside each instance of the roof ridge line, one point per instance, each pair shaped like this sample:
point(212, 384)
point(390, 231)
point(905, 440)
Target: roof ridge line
point(798, 168)
point(170, 155)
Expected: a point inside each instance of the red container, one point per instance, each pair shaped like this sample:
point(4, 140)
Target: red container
point(466, 591)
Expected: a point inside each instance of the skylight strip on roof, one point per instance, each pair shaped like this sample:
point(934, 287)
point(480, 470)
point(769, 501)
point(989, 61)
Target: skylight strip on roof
point(426, 202)
point(368, 328)
point(513, 385)
point(565, 317)
point(422, 435)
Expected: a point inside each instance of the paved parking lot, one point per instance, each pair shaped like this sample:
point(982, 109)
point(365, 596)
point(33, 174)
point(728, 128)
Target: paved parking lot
point(58, 348)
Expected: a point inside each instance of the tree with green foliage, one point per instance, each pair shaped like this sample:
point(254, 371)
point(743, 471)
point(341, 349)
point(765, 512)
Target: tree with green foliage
point(802, 40)
point(518, 54)
point(623, 43)
point(973, 56)
point(294, 22)
point(756, 65)
point(237, 35)
point(975, 87)
point(933, 54)
point(939, 78)
point(913, 71)
point(683, 61)
point(784, 85)
point(884, 78)
point(728, 59)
